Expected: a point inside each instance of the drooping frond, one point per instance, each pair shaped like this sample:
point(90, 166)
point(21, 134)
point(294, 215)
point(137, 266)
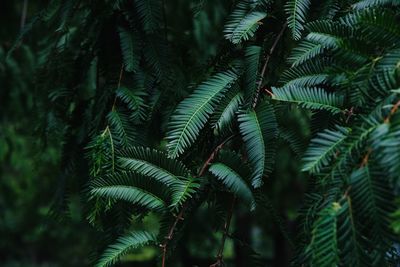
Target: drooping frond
point(323, 247)
point(130, 48)
point(183, 191)
point(243, 22)
point(133, 188)
point(296, 144)
point(157, 165)
point(313, 73)
point(124, 245)
point(149, 12)
point(257, 127)
point(233, 182)
point(224, 115)
point(135, 101)
point(157, 54)
point(99, 153)
point(122, 130)
point(330, 34)
point(323, 148)
point(306, 50)
point(373, 203)
point(310, 98)
point(387, 145)
point(376, 26)
point(252, 61)
point(297, 11)
point(370, 3)
point(153, 163)
point(329, 9)
point(348, 237)
point(193, 112)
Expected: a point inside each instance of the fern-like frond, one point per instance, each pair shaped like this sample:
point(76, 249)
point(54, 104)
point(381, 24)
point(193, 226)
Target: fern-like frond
point(124, 245)
point(348, 237)
point(135, 101)
point(193, 112)
point(387, 146)
point(323, 247)
point(233, 182)
point(251, 62)
point(314, 73)
point(183, 191)
point(376, 26)
point(153, 163)
point(304, 51)
point(122, 130)
point(257, 127)
point(295, 142)
point(130, 48)
point(323, 148)
point(243, 22)
point(310, 98)
point(373, 203)
point(224, 115)
point(370, 3)
point(132, 188)
point(330, 34)
point(297, 11)
point(149, 12)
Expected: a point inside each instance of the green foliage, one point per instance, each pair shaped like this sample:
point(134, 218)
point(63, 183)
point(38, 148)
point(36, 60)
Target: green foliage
point(234, 175)
point(311, 98)
point(130, 49)
point(258, 128)
point(324, 241)
point(323, 148)
point(193, 112)
point(162, 120)
point(244, 21)
point(133, 188)
point(252, 62)
point(124, 245)
point(297, 10)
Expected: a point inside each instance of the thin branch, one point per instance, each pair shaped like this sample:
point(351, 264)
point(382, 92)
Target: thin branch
point(267, 59)
point(213, 155)
point(119, 84)
point(392, 111)
point(365, 159)
point(220, 254)
point(180, 217)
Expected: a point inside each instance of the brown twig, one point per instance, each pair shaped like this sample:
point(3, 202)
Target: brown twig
point(121, 72)
point(392, 111)
point(220, 257)
point(365, 159)
point(267, 59)
point(213, 154)
point(180, 217)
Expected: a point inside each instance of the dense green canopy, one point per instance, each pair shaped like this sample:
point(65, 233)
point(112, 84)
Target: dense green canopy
point(200, 133)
